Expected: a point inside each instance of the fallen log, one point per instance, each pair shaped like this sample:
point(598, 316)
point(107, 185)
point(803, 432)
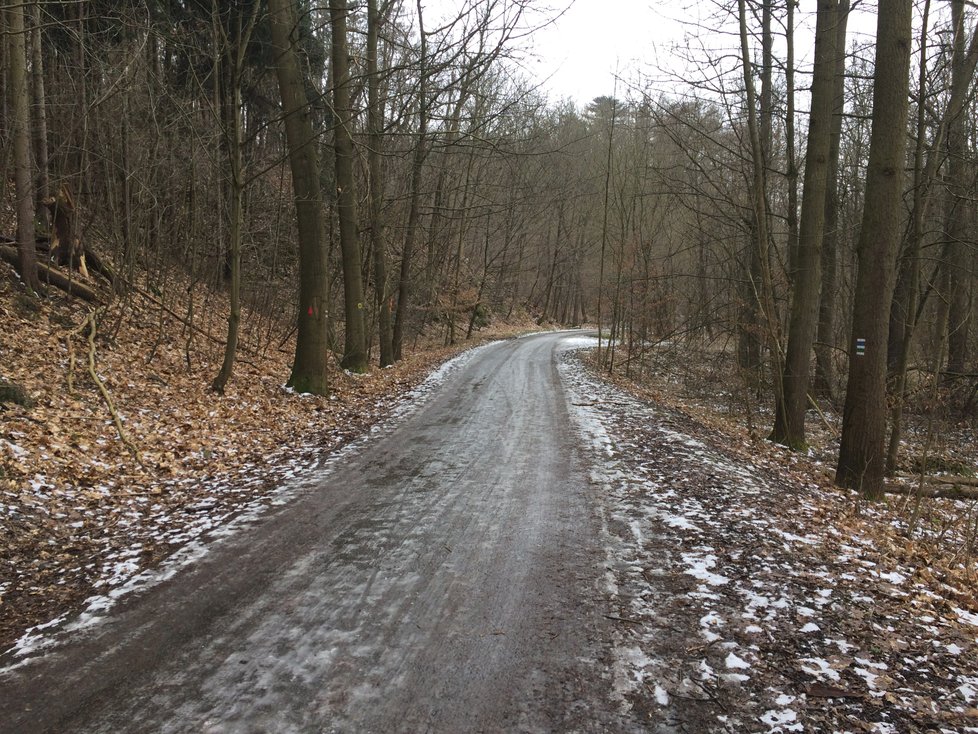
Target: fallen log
point(100, 266)
point(52, 276)
point(944, 492)
point(963, 481)
point(41, 241)
point(66, 248)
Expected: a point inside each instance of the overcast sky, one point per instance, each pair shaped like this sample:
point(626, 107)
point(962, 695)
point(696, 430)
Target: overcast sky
point(581, 50)
point(579, 53)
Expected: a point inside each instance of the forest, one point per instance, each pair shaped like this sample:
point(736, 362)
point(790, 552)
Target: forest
point(791, 221)
point(242, 240)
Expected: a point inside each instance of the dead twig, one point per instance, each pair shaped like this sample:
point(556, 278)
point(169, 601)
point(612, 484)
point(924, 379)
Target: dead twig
point(825, 421)
point(91, 322)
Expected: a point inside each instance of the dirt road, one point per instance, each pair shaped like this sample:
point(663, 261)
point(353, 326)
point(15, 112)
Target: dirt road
point(446, 577)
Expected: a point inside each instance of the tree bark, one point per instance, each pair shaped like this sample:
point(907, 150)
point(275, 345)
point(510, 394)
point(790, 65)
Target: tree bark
point(43, 186)
point(20, 134)
point(52, 276)
point(958, 240)
point(751, 328)
point(825, 338)
point(789, 133)
point(309, 369)
point(861, 463)
point(375, 122)
point(66, 249)
point(414, 207)
point(234, 57)
point(789, 422)
point(759, 200)
point(81, 138)
point(355, 351)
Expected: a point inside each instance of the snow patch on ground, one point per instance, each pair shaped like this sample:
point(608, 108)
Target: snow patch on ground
point(703, 546)
point(699, 568)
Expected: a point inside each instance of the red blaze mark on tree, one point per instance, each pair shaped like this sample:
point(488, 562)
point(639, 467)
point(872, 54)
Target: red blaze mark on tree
point(310, 310)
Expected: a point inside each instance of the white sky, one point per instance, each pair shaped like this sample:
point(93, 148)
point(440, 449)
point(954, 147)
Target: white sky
point(576, 56)
point(580, 51)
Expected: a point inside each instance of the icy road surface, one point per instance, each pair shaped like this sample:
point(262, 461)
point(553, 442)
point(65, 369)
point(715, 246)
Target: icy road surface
point(448, 576)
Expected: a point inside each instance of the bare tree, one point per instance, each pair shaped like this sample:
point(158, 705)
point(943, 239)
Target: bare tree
point(309, 368)
point(234, 44)
point(20, 134)
point(789, 422)
point(906, 305)
point(355, 350)
point(957, 280)
point(825, 376)
point(759, 201)
point(414, 207)
point(862, 457)
point(375, 123)
point(42, 187)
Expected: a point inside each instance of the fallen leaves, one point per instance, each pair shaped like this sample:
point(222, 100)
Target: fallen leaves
point(74, 504)
point(844, 623)
point(821, 690)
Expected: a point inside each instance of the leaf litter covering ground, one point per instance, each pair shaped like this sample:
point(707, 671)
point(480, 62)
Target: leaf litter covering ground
point(749, 599)
point(81, 522)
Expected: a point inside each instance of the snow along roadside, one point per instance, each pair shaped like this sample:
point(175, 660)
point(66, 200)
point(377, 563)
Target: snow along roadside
point(738, 592)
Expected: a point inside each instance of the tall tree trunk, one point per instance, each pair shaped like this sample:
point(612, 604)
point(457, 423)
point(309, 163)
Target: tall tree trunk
point(235, 215)
point(309, 369)
point(20, 134)
point(459, 242)
point(789, 133)
point(604, 214)
point(905, 310)
point(825, 339)
point(862, 452)
point(375, 122)
point(355, 350)
point(749, 339)
point(43, 186)
point(789, 422)
point(958, 240)
point(476, 309)
point(414, 207)
point(759, 200)
point(234, 57)
point(75, 250)
point(4, 91)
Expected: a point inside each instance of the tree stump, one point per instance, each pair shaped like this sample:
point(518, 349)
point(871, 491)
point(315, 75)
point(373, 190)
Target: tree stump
point(66, 249)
